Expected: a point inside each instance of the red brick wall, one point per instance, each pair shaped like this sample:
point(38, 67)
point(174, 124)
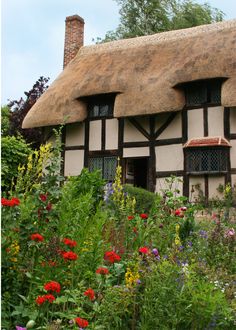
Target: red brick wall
point(74, 37)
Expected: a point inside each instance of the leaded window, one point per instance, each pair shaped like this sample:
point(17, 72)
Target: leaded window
point(206, 160)
point(107, 165)
point(203, 92)
point(101, 106)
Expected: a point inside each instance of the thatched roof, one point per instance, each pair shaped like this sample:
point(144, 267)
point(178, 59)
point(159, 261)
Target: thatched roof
point(143, 71)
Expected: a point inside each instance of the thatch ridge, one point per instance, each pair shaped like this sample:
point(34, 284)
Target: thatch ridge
point(144, 71)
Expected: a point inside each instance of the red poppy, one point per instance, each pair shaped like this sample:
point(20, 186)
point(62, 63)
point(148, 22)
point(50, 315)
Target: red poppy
point(43, 197)
point(82, 323)
point(143, 216)
point(69, 242)
point(37, 237)
point(112, 257)
point(90, 294)
point(130, 217)
point(102, 271)
point(69, 255)
point(52, 286)
point(144, 250)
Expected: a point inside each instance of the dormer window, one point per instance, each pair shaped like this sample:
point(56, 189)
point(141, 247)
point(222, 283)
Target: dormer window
point(101, 106)
point(202, 92)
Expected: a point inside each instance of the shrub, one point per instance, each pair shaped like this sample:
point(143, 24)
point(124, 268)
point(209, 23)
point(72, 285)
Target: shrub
point(144, 199)
point(14, 152)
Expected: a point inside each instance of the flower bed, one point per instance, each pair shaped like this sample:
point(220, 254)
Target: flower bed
point(71, 260)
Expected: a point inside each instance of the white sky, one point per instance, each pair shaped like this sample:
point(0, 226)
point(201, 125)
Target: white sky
point(32, 34)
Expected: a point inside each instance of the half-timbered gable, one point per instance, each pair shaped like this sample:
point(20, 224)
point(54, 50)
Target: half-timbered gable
point(163, 104)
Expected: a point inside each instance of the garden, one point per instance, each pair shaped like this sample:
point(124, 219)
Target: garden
point(76, 255)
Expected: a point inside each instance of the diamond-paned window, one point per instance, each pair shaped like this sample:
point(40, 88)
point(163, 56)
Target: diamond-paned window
point(107, 165)
point(203, 92)
point(207, 160)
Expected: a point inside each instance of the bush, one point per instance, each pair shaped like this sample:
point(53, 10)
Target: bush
point(14, 152)
point(144, 199)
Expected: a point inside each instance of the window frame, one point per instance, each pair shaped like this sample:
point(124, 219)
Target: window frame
point(222, 161)
point(103, 158)
point(101, 101)
point(208, 86)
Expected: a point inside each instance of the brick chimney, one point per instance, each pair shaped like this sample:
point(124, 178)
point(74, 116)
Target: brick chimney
point(74, 37)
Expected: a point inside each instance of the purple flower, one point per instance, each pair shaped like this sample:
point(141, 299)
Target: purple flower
point(181, 248)
point(155, 252)
point(20, 328)
point(190, 243)
point(138, 281)
point(203, 234)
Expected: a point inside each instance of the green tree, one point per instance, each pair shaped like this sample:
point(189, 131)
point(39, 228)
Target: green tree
point(145, 17)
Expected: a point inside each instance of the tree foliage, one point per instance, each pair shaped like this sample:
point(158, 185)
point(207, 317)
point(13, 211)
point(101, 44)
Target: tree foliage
point(20, 108)
point(5, 120)
point(145, 17)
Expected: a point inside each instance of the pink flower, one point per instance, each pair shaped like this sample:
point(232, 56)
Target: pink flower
point(43, 197)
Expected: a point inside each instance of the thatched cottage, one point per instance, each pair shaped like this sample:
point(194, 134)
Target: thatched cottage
point(165, 104)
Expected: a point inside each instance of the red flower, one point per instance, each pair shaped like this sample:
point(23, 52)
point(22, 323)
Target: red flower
point(144, 250)
point(52, 263)
point(52, 286)
point(179, 213)
point(112, 257)
point(10, 202)
point(130, 217)
point(69, 242)
point(143, 216)
point(102, 271)
point(37, 237)
point(47, 297)
point(82, 323)
point(43, 197)
point(40, 300)
point(135, 230)
point(69, 255)
point(49, 207)
point(90, 293)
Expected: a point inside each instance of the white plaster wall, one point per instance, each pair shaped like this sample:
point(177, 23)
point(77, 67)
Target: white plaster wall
point(216, 121)
point(169, 158)
point(95, 135)
point(214, 183)
point(233, 120)
point(111, 134)
point(193, 192)
point(160, 119)
point(74, 162)
point(195, 123)
point(161, 185)
point(144, 122)
point(233, 153)
point(75, 134)
point(131, 134)
point(136, 152)
point(174, 130)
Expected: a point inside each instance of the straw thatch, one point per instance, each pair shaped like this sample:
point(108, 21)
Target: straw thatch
point(143, 71)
